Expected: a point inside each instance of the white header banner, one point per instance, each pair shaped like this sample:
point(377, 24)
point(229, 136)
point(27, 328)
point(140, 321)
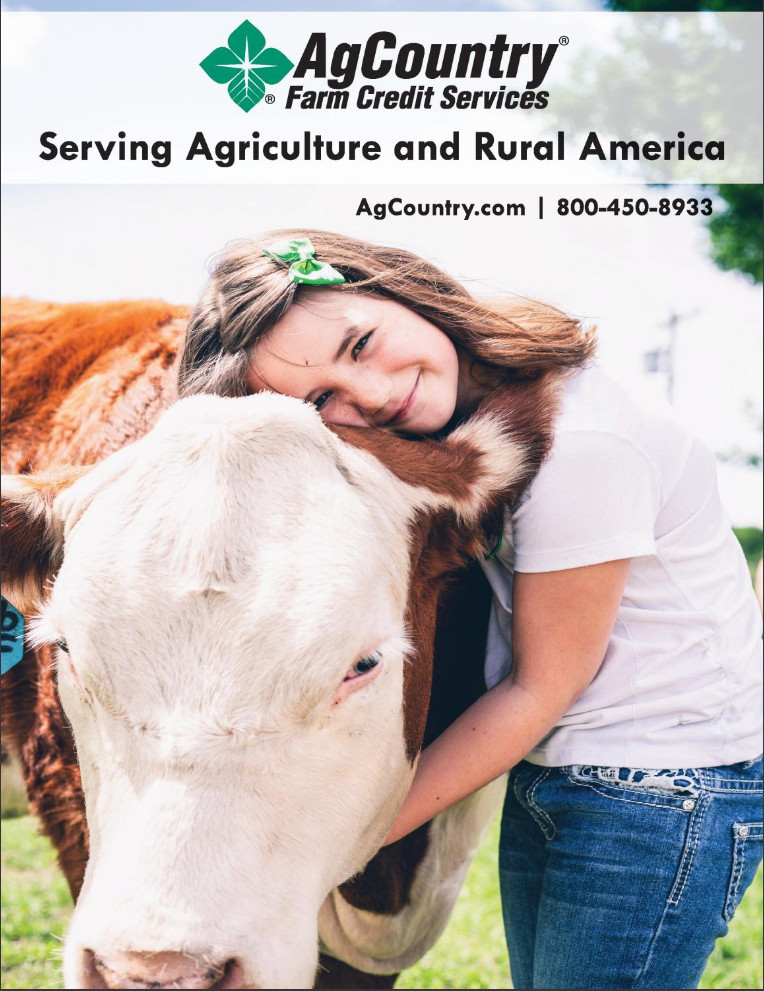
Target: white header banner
point(360, 97)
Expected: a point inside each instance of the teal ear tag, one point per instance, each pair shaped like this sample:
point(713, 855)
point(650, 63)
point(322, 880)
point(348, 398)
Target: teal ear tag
point(12, 636)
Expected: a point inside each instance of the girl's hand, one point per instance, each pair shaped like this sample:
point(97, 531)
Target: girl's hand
point(562, 622)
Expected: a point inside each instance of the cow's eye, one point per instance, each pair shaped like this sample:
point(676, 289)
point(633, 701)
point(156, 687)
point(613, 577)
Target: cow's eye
point(364, 665)
point(62, 645)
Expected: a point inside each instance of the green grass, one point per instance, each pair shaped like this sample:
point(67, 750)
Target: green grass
point(471, 954)
point(35, 908)
point(737, 960)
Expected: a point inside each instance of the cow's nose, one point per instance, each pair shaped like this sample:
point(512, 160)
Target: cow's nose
point(161, 970)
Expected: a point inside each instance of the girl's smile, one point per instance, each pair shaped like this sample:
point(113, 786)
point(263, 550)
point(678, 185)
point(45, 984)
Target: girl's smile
point(362, 360)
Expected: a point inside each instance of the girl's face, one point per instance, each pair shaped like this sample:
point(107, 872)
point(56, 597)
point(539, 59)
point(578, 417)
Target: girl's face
point(362, 360)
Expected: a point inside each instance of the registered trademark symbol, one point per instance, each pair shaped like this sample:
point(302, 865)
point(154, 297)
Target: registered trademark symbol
point(270, 98)
point(564, 39)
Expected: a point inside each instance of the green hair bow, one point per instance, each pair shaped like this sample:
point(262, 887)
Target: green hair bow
point(303, 267)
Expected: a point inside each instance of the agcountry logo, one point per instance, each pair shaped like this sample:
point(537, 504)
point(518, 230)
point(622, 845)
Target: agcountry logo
point(247, 66)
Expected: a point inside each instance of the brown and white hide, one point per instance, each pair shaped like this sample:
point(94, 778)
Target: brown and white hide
point(239, 612)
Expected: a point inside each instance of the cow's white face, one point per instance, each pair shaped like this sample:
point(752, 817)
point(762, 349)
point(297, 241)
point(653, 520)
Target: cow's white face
point(230, 613)
point(220, 583)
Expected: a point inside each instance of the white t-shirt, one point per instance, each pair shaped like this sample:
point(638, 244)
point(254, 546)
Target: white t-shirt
point(681, 682)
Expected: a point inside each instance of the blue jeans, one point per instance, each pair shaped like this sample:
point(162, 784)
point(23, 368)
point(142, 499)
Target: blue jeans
point(624, 878)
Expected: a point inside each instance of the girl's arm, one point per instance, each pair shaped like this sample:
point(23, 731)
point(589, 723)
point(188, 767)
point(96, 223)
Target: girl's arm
point(561, 626)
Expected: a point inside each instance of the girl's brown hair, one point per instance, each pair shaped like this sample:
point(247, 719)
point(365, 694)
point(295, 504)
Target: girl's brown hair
point(247, 293)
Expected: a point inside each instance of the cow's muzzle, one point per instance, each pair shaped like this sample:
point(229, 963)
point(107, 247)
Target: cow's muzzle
point(161, 970)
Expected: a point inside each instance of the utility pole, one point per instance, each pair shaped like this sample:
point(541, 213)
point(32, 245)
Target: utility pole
point(671, 326)
point(664, 359)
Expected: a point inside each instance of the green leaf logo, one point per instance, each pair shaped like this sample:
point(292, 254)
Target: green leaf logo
point(247, 66)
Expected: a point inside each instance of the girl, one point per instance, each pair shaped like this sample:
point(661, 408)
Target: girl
point(624, 648)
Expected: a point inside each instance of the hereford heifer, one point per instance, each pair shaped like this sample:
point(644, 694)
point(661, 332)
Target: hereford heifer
point(240, 607)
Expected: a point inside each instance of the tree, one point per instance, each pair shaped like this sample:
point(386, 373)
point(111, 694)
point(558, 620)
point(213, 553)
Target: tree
point(666, 73)
point(685, 5)
point(737, 231)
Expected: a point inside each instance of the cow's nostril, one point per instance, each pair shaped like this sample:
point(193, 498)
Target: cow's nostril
point(92, 975)
point(233, 977)
point(160, 970)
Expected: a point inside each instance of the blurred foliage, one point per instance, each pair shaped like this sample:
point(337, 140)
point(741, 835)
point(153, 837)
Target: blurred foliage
point(666, 71)
point(740, 457)
point(661, 74)
point(684, 5)
point(751, 540)
point(745, 458)
point(737, 232)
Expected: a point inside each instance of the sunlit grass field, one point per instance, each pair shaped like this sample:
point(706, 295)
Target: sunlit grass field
point(471, 954)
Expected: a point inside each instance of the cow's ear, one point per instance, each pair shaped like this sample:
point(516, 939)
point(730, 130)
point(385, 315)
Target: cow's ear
point(38, 513)
point(32, 534)
point(489, 459)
